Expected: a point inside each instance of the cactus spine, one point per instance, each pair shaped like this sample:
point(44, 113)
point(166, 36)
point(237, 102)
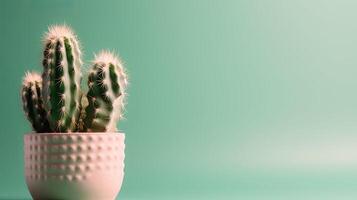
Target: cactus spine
point(61, 78)
point(32, 102)
point(107, 82)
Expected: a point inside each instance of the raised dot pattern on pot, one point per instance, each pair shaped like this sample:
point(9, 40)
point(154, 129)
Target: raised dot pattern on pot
point(72, 157)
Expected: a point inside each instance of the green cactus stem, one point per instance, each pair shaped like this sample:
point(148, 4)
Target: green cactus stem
point(82, 113)
point(107, 83)
point(61, 78)
point(32, 102)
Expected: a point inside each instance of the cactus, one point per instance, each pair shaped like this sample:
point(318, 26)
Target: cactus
point(107, 83)
point(32, 102)
point(61, 78)
point(55, 102)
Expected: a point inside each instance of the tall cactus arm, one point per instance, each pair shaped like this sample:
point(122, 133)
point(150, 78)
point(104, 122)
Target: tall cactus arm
point(107, 83)
point(61, 78)
point(32, 102)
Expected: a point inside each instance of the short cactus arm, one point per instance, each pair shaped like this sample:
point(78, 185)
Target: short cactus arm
point(107, 82)
point(62, 78)
point(33, 104)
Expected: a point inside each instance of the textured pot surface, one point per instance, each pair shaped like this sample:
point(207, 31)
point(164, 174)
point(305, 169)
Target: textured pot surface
point(74, 166)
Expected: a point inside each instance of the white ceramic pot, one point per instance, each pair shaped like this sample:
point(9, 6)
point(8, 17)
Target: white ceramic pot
point(74, 166)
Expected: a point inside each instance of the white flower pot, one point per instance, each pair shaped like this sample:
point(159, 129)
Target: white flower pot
point(74, 166)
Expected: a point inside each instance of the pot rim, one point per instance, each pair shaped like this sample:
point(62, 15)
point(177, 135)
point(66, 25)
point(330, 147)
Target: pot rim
point(76, 133)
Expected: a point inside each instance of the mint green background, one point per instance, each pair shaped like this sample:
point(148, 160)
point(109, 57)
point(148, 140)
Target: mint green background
point(228, 99)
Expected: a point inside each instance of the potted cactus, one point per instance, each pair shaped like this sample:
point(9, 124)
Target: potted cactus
point(75, 151)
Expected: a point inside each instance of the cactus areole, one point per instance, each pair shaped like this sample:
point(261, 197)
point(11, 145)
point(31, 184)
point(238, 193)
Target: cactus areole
point(55, 101)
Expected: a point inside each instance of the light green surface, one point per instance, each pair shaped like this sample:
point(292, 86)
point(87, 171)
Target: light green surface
point(228, 99)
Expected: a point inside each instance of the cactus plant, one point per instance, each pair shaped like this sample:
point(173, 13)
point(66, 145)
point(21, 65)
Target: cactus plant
point(32, 102)
point(61, 78)
point(107, 83)
point(64, 107)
